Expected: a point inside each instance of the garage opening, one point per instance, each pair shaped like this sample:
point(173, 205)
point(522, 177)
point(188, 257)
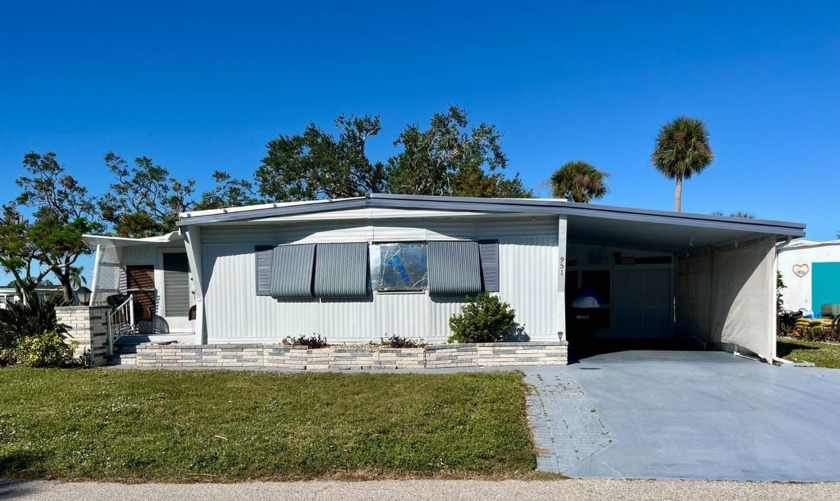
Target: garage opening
point(636, 285)
point(619, 299)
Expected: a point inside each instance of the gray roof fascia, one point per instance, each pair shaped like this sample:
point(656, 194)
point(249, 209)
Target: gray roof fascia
point(535, 206)
point(350, 203)
point(511, 205)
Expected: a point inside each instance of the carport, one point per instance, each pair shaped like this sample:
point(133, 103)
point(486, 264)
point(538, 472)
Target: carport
point(666, 279)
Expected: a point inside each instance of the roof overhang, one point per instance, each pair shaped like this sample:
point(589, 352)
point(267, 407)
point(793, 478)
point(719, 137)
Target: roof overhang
point(587, 223)
point(106, 240)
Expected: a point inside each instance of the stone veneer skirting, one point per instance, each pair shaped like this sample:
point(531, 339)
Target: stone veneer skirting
point(340, 358)
point(88, 325)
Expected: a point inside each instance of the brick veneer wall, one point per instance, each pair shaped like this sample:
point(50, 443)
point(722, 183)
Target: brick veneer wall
point(338, 358)
point(88, 326)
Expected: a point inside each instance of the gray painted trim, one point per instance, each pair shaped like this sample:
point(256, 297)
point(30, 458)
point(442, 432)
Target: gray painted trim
point(510, 205)
point(263, 257)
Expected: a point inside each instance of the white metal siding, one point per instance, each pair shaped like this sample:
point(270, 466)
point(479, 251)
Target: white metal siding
point(798, 291)
point(528, 275)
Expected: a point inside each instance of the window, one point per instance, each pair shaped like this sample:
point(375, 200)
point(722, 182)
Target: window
point(307, 271)
point(341, 270)
point(399, 267)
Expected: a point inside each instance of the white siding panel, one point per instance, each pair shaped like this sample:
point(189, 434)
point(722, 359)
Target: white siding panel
point(403, 314)
point(528, 281)
point(527, 254)
point(798, 292)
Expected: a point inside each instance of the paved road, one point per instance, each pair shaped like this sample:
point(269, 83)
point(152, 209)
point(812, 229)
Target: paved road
point(703, 415)
point(423, 490)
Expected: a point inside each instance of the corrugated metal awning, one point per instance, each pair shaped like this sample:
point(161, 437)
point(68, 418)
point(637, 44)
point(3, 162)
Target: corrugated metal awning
point(454, 268)
point(341, 271)
point(291, 271)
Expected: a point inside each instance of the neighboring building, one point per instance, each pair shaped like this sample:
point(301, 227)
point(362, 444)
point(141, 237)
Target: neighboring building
point(358, 269)
point(811, 273)
point(10, 295)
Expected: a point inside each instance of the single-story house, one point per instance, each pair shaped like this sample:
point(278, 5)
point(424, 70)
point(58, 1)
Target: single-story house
point(358, 269)
point(811, 274)
point(10, 294)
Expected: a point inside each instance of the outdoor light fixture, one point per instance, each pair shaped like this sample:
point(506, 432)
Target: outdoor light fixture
point(83, 293)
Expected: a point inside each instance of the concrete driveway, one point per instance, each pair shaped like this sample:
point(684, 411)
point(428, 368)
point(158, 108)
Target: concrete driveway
point(693, 415)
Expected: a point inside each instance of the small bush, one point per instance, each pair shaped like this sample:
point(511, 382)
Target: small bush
point(46, 350)
point(314, 341)
point(787, 321)
point(29, 324)
point(485, 319)
point(396, 341)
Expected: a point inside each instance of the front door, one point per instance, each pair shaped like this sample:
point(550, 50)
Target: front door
point(140, 281)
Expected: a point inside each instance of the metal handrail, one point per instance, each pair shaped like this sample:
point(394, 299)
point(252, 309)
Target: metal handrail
point(120, 322)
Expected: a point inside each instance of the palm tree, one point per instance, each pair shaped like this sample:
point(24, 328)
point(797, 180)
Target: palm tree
point(682, 150)
point(741, 213)
point(579, 181)
point(76, 276)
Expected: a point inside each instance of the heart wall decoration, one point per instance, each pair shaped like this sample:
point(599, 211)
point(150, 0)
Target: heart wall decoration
point(800, 270)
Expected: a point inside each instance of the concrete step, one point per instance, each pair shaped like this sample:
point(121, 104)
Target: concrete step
point(121, 359)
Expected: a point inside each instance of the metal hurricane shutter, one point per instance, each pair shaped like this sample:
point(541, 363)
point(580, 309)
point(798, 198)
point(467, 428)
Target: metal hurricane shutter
point(176, 284)
point(341, 270)
point(291, 271)
point(454, 268)
point(489, 253)
point(262, 255)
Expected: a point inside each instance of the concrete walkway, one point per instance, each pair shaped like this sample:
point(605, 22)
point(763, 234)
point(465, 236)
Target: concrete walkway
point(566, 426)
point(444, 490)
point(692, 415)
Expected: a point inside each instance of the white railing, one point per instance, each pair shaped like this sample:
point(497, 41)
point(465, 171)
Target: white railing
point(120, 322)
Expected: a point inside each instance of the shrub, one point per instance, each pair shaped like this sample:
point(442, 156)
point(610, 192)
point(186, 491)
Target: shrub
point(47, 350)
point(787, 321)
point(396, 341)
point(314, 341)
point(485, 319)
point(29, 319)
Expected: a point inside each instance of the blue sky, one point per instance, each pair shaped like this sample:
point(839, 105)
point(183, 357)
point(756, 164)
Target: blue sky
point(204, 85)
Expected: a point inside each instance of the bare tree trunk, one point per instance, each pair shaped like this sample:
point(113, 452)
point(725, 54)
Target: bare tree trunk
point(66, 287)
point(678, 195)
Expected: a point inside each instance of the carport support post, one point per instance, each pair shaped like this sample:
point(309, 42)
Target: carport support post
point(192, 240)
point(774, 307)
point(561, 279)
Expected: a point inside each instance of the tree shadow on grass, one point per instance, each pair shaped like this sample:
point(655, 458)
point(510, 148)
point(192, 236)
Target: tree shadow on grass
point(784, 348)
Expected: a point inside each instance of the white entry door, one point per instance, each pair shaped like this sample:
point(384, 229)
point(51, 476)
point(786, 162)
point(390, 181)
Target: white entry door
point(642, 303)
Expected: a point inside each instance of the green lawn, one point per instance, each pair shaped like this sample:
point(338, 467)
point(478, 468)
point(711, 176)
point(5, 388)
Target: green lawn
point(820, 354)
point(225, 426)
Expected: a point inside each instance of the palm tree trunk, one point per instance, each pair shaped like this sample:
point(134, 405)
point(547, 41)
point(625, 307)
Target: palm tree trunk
point(678, 195)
